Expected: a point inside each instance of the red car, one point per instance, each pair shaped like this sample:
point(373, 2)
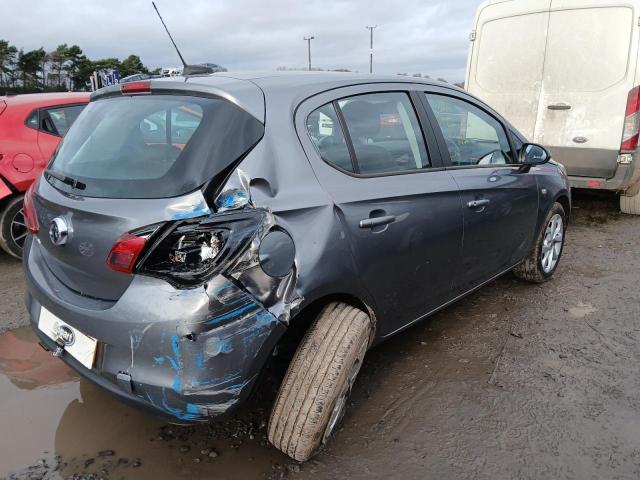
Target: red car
point(31, 127)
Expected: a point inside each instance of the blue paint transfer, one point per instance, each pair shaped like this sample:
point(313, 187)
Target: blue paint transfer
point(199, 210)
point(232, 199)
point(234, 313)
point(158, 360)
point(176, 363)
point(191, 411)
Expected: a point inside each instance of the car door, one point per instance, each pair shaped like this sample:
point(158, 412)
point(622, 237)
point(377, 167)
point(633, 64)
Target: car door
point(54, 122)
point(499, 199)
point(400, 209)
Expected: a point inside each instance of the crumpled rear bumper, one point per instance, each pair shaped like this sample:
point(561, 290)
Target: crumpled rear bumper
point(184, 354)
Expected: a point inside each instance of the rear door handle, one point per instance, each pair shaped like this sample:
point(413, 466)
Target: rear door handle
point(559, 106)
point(377, 221)
point(478, 203)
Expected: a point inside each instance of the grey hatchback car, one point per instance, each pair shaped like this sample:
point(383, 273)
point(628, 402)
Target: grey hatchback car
point(186, 224)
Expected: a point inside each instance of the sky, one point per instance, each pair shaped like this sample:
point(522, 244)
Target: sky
point(430, 37)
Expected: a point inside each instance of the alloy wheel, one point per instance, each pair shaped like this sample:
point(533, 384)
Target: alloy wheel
point(552, 243)
point(18, 228)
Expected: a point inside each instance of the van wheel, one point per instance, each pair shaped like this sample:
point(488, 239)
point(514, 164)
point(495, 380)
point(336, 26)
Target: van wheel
point(630, 204)
point(13, 228)
point(543, 261)
point(314, 392)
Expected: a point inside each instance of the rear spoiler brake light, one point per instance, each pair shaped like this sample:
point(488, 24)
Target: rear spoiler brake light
point(143, 86)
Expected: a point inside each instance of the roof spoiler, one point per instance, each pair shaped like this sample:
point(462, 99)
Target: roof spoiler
point(196, 70)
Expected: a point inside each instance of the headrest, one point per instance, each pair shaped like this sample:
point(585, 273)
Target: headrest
point(362, 118)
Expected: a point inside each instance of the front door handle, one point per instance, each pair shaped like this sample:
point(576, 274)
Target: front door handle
point(478, 203)
point(377, 221)
point(559, 106)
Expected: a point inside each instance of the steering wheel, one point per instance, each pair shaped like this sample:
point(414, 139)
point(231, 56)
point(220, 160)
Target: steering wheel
point(454, 151)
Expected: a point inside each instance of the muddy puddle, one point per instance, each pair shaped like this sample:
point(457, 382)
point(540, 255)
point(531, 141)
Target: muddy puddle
point(57, 426)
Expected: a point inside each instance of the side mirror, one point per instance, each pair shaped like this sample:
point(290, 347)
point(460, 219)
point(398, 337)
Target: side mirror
point(533, 154)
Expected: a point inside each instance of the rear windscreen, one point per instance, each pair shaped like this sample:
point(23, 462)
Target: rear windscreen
point(153, 146)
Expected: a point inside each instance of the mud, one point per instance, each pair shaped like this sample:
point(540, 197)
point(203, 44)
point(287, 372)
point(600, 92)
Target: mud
point(515, 381)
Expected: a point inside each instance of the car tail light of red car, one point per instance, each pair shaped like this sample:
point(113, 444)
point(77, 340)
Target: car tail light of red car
point(29, 211)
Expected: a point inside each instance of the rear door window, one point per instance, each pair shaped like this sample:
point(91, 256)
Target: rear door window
point(324, 131)
point(384, 132)
point(58, 120)
point(153, 146)
point(473, 137)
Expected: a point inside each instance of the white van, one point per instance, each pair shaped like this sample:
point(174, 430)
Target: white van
point(566, 74)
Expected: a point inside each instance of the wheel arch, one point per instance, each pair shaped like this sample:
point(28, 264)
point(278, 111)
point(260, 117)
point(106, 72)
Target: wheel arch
point(563, 199)
point(302, 320)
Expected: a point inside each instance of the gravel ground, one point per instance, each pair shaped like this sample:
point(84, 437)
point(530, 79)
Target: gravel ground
point(515, 381)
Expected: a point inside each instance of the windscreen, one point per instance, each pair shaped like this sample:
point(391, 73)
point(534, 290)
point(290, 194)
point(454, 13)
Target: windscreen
point(152, 146)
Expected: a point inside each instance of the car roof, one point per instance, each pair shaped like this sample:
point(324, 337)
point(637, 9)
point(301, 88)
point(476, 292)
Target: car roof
point(290, 87)
point(46, 99)
point(298, 81)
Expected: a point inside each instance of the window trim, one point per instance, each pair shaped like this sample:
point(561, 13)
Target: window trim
point(434, 164)
point(38, 112)
point(440, 135)
point(347, 139)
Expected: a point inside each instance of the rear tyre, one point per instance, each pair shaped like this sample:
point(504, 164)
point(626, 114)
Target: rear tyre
point(13, 228)
point(543, 260)
point(314, 392)
point(630, 204)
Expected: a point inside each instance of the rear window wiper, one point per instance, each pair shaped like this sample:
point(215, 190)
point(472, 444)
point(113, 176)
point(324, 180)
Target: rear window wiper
point(72, 182)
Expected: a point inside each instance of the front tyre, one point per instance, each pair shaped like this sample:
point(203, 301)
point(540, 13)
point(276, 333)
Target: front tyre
point(543, 260)
point(13, 228)
point(314, 392)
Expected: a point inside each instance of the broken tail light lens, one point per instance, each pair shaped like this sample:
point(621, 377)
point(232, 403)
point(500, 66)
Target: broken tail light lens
point(191, 252)
point(124, 253)
point(29, 211)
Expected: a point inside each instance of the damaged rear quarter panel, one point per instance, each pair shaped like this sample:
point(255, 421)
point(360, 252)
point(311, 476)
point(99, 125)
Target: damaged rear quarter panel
point(193, 369)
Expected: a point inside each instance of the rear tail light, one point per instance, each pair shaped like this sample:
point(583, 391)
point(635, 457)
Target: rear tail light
point(631, 131)
point(125, 252)
point(29, 211)
point(3, 105)
point(192, 251)
point(143, 86)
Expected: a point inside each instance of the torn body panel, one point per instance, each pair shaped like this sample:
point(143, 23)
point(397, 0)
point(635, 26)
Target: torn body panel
point(324, 264)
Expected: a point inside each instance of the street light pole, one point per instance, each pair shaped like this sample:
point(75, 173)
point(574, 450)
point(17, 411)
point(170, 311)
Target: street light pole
point(371, 48)
point(308, 40)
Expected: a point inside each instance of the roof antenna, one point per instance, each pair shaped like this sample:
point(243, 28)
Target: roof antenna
point(186, 69)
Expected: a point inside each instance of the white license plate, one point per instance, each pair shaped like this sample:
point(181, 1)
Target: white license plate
point(80, 346)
